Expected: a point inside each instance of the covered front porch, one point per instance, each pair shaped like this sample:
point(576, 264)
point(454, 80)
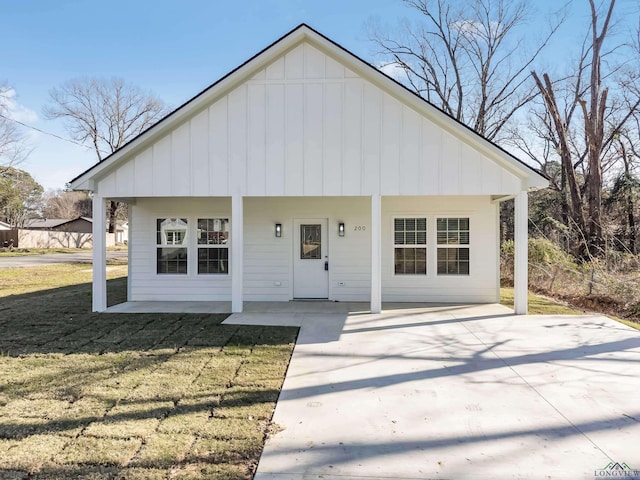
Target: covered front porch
point(263, 245)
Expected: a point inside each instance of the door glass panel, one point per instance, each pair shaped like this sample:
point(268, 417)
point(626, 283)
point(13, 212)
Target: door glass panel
point(310, 242)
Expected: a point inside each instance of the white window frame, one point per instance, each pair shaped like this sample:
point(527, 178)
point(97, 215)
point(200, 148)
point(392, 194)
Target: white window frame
point(211, 246)
point(165, 243)
point(457, 246)
point(395, 245)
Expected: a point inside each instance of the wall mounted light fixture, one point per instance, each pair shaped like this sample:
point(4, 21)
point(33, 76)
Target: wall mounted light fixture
point(341, 229)
point(278, 230)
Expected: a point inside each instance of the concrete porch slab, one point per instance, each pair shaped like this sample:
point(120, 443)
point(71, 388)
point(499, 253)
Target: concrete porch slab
point(292, 307)
point(170, 307)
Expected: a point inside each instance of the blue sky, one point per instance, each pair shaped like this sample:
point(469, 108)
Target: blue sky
point(172, 48)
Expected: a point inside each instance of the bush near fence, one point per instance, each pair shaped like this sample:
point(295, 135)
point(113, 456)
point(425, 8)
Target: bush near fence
point(608, 285)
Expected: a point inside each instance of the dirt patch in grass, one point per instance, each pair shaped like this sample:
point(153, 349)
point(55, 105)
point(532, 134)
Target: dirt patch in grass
point(125, 396)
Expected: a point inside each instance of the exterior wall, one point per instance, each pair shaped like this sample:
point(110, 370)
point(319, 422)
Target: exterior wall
point(57, 239)
point(307, 126)
point(145, 283)
point(268, 260)
point(480, 286)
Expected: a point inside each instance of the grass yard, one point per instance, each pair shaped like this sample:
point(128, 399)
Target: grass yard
point(19, 252)
point(539, 305)
point(118, 396)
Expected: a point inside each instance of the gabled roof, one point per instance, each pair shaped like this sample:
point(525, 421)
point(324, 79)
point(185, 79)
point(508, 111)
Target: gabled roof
point(531, 178)
point(45, 223)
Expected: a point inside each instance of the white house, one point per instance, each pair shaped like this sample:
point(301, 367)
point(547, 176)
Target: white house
point(308, 173)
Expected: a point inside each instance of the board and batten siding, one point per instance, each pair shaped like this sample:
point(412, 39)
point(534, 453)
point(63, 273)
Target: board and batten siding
point(307, 126)
point(482, 283)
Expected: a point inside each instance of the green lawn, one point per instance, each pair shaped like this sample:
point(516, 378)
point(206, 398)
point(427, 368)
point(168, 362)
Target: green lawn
point(539, 305)
point(117, 396)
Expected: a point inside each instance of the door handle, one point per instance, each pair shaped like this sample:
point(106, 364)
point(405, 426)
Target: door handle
point(326, 266)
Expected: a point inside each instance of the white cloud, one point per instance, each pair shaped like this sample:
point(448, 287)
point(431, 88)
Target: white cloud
point(15, 110)
point(394, 70)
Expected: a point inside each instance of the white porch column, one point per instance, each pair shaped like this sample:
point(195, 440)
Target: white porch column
point(130, 227)
point(521, 256)
point(237, 252)
point(376, 254)
point(99, 254)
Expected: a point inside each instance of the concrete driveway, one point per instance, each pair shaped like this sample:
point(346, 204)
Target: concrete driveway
point(469, 392)
point(55, 258)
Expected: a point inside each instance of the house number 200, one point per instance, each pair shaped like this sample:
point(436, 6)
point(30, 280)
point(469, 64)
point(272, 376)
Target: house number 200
point(359, 228)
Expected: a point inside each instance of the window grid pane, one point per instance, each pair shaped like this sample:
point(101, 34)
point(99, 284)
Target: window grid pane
point(410, 260)
point(213, 248)
point(213, 260)
point(410, 231)
point(213, 231)
point(453, 261)
point(452, 231)
point(171, 231)
point(171, 260)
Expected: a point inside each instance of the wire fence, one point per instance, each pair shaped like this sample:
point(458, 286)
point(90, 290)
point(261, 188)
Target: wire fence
point(610, 284)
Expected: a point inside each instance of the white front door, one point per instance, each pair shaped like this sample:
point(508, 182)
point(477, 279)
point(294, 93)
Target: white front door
point(310, 258)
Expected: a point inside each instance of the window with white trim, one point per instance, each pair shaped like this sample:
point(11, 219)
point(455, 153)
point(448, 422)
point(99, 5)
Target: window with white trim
point(171, 245)
point(213, 246)
point(410, 245)
point(450, 234)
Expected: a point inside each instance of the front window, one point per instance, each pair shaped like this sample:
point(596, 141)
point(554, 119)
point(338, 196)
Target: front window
point(213, 248)
point(169, 233)
point(452, 258)
point(410, 246)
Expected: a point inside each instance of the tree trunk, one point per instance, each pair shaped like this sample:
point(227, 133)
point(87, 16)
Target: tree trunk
point(575, 203)
point(630, 205)
point(111, 214)
point(594, 129)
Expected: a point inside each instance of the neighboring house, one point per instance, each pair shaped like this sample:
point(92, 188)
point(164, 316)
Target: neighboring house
point(122, 231)
point(78, 225)
point(308, 173)
point(4, 226)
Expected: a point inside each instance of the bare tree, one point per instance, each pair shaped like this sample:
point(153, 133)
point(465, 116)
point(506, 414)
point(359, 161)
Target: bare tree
point(626, 188)
point(581, 125)
point(66, 204)
point(13, 146)
point(468, 58)
point(105, 114)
